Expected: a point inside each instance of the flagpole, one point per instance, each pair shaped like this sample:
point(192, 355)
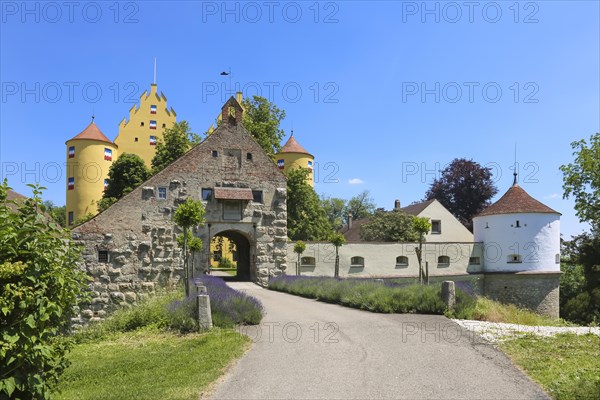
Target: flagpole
point(155, 70)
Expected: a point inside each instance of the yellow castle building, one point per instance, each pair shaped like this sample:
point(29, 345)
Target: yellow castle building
point(293, 155)
point(90, 154)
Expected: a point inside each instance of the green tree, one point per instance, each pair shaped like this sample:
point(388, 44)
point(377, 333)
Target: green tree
point(188, 214)
point(335, 209)
point(581, 179)
point(305, 215)
point(176, 141)
point(299, 248)
point(337, 240)
point(124, 175)
point(360, 206)
point(262, 118)
point(195, 244)
point(421, 225)
point(59, 214)
point(465, 188)
point(389, 226)
point(40, 283)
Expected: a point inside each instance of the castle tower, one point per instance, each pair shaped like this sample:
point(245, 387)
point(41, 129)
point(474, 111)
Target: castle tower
point(146, 125)
point(293, 155)
point(521, 238)
point(89, 156)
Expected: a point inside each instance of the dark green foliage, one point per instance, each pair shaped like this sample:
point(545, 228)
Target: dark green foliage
point(40, 283)
point(59, 214)
point(190, 213)
point(335, 209)
point(176, 141)
point(106, 202)
point(305, 214)
point(581, 180)
point(465, 188)
point(262, 118)
point(124, 175)
point(360, 206)
point(225, 263)
point(389, 226)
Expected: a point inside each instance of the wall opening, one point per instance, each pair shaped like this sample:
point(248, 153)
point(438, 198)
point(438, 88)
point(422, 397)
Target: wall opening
point(233, 248)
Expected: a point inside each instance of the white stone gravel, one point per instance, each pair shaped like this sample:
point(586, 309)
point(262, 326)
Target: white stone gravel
point(496, 331)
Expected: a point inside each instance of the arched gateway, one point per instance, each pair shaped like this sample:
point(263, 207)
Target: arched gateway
point(243, 253)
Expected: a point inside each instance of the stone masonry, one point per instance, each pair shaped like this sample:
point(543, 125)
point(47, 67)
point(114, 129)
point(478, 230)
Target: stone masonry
point(130, 249)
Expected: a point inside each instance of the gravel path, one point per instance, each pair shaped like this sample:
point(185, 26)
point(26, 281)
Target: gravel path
point(494, 331)
point(305, 349)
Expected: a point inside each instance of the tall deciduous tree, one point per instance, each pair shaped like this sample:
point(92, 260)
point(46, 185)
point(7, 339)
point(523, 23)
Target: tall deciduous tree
point(190, 213)
point(124, 175)
point(389, 226)
point(262, 118)
point(306, 217)
point(335, 209)
point(581, 179)
point(465, 188)
point(176, 141)
point(360, 206)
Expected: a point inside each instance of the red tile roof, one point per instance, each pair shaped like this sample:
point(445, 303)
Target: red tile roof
point(352, 235)
point(516, 200)
point(92, 133)
point(292, 146)
point(233, 194)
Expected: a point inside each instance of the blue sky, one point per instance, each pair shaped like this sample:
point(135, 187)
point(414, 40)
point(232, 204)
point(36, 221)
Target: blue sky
point(384, 94)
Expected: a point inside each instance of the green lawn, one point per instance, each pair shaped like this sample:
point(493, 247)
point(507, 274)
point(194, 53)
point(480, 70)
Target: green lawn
point(567, 366)
point(149, 365)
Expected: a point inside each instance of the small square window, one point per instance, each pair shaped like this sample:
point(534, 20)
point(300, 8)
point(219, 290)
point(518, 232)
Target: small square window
point(357, 262)
point(257, 196)
point(232, 210)
point(249, 156)
point(136, 139)
point(215, 153)
point(103, 256)
point(142, 123)
point(71, 217)
point(474, 260)
point(436, 226)
point(164, 125)
point(162, 193)
point(207, 194)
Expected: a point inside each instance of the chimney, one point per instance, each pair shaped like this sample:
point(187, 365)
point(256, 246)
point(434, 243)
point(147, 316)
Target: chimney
point(397, 204)
point(349, 220)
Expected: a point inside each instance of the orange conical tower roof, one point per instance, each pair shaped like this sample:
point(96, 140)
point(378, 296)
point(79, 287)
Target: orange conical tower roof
point(292, 146)
point(517, 200)
point(92, 132)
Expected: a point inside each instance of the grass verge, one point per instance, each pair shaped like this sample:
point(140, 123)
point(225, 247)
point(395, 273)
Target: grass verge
point(567, 366)
point(149, 364)
point(394, 297)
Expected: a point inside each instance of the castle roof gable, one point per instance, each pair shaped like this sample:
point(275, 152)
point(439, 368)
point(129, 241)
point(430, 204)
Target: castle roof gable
point(516, 200)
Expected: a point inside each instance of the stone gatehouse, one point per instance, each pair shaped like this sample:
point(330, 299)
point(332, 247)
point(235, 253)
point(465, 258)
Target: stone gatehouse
point(130, 249)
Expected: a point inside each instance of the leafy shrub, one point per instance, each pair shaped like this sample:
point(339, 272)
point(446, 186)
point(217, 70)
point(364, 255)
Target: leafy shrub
point(40, 283)
point(225, 263)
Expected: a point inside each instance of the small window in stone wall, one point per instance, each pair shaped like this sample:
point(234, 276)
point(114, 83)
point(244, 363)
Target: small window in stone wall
point(249, 156)
point(514, 259)
point(474, 260)
point(357, 262)
point(308, 261)
point(257, 196)
point(557, 258)
point(103, 256)
point(443, 260)
point(215, 153)
point(207, 194)
point(162, 193)
point(402, 261)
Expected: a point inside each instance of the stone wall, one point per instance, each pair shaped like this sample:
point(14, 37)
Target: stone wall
point(139, 235)
point(536, 291)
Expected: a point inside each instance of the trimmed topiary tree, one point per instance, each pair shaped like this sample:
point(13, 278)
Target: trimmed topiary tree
point(299, 248)
point(188, 214)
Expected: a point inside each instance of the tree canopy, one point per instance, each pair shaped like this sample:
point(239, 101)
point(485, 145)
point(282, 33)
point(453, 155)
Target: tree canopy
point(306, 217)
point(262, 118)
point(124, 175)
point(389, 226)
point(335, 209)
point(465, 188)
point(581, 179)
point(176, 141)
point(361, 205)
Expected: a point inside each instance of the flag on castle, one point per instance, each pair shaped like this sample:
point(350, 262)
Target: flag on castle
point(71, 184)
point(310, 165)
point(108, 154)
point(152, 140)
point(280, 164)
point(71, 151)
point(153, 109)
point(152, 124)
point(105, 184)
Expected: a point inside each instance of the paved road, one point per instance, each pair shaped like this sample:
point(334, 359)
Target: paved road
point(305, 349)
